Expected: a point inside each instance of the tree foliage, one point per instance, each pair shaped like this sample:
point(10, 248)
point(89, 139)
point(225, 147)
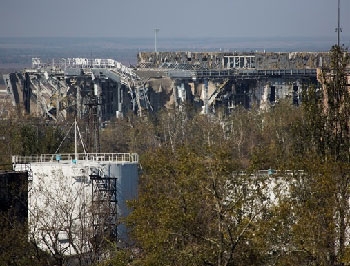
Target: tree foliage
point(186, 214)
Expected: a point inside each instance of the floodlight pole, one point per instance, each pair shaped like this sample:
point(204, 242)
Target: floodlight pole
point(155, 39)
point(338, 29)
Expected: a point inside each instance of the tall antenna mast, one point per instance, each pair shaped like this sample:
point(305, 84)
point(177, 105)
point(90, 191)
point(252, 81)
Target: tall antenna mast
point(338, 29)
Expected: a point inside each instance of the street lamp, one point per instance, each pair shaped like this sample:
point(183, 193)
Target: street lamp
point(155, 39)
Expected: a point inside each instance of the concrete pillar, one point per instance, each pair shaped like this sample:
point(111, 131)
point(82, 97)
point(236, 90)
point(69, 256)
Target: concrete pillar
point(205, 97)
point(264, 99)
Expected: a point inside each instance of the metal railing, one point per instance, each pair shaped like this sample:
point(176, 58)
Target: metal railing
point(65, 157)
point(240, 73)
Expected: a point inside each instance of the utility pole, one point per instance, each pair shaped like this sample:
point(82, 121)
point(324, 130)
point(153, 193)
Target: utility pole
point(338, 29)
point(155, 39)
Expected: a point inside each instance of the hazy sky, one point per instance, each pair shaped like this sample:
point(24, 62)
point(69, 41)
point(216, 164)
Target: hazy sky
point(177, 18)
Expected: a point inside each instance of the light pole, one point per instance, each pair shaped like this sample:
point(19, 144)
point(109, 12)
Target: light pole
point(338, 29)
point(155, 39)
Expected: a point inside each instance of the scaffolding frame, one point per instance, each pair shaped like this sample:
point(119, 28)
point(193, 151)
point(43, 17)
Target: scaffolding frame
point(104, 205)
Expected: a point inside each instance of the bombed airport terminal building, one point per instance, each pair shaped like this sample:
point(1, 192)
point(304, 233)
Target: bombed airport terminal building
point(104, 88)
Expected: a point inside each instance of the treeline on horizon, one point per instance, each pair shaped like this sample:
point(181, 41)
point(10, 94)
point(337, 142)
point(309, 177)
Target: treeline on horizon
point(200, 202)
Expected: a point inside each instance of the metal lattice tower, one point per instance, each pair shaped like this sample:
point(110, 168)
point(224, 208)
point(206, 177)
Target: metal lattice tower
point(104, 202)
point(93, 135)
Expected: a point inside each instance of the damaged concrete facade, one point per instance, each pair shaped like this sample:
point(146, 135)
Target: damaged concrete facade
point(212, 80)
point(206, 80)
point(58, 92)
point(233, 60)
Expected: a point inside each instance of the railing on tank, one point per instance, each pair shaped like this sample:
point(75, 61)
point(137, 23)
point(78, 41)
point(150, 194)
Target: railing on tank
point(65, 157)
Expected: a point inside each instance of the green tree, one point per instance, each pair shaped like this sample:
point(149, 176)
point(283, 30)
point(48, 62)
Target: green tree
point(196, 208)
point(336, 106)
point(325, 155)
point(15, 249)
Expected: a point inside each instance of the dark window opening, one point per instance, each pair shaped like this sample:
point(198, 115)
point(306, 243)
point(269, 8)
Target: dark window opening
point(272, 97)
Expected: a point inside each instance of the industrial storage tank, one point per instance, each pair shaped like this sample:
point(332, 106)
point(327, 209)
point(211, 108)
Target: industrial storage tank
point(76, 199)
point(127, 183)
